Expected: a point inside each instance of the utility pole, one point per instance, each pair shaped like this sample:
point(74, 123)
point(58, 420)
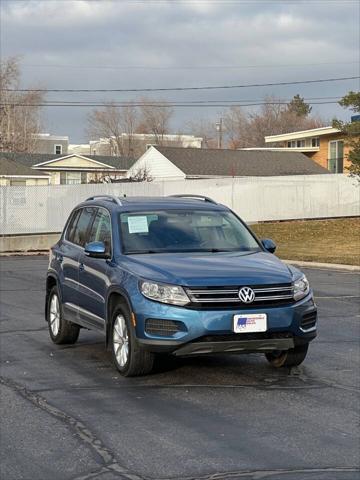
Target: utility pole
point(219, 128)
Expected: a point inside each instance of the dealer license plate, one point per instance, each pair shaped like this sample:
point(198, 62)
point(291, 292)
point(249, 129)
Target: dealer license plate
point(251, 322)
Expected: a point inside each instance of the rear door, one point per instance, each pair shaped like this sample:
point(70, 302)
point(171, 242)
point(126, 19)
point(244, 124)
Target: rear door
point(71, 249)
point(67, 258)
point(93, 273)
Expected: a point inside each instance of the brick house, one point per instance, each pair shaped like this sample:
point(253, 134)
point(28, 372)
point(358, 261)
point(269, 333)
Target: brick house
point(325, 145)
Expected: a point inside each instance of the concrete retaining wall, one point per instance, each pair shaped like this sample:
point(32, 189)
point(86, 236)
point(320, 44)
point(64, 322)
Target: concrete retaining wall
point(26, 243)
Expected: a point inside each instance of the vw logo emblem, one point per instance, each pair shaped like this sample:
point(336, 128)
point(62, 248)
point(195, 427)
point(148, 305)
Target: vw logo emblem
point(246, 295)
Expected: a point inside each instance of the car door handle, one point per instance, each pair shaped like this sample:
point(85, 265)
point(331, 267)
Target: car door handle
point(81, 267)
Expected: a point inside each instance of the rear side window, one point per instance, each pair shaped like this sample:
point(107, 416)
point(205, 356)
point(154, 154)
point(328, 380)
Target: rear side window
point(82, 225)
point(101, 229)
point(69, 234)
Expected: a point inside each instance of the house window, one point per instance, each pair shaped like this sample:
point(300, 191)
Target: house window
point(315, 142)
point(336, 156)
point(73, 178)
point(300, 143)
point(291, 144)
point(18, 183)
point(58, 149)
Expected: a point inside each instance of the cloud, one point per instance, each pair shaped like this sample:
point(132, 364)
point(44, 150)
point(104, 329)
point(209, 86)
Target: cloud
point(172, 40)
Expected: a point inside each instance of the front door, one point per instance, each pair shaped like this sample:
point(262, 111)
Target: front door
point(93, 277)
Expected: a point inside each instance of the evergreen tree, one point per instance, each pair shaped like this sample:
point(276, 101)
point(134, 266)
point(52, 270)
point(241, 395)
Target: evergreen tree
point(351, 131)
point(299, 106)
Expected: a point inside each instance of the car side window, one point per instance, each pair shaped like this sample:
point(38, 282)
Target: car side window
point(69, 234)
point(101, 229)
point(83, 223)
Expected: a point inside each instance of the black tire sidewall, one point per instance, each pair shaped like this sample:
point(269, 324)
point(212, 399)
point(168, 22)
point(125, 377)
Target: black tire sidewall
point(289, 358)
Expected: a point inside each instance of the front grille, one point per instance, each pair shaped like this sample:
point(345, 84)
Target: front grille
point(163, 328)
point(228, 297)
point(308, 321)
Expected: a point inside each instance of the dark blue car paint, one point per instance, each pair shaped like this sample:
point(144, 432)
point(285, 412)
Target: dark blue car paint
point(86, 284)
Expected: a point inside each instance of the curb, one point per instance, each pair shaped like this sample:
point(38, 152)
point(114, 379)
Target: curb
point(32, 253)
point(330, 266)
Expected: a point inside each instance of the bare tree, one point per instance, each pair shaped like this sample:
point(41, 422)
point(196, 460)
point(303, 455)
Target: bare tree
point(141, 175)
point(117, 124)
point(19, 111)
point(237, 128)
point(249, 129)
point(155, 118)
point(206, 129)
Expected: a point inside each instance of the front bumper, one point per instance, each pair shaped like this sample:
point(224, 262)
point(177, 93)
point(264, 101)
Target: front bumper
point(235, 346)
point(210, 331)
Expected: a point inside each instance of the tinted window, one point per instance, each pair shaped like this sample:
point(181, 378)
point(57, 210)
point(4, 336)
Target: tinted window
point(79, 236)
point(185, 231)
point(101, 229)
point(69, 235)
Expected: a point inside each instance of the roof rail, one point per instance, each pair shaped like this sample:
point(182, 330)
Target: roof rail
point(196, 197)
point(109, 198)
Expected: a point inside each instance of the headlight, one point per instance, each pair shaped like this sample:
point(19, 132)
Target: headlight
point(164, 293)
point(301, 288)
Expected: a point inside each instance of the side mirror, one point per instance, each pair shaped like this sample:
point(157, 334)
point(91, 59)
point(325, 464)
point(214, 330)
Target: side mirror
point(269, 244)
point(96, 250)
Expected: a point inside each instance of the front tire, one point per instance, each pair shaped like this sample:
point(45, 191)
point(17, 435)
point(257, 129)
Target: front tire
point(128, 358)
point(288, 358)
point(61, 331)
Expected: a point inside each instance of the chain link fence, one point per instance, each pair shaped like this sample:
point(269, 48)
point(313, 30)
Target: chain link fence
point(44, 209)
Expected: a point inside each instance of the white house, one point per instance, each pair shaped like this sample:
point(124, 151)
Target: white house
point(73, 168)
point(170, 163)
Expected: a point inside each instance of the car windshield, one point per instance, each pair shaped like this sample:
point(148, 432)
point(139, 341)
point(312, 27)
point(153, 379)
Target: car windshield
point(184, 231)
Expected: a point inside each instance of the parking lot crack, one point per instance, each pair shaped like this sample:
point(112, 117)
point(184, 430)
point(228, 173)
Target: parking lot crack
point(107, 458)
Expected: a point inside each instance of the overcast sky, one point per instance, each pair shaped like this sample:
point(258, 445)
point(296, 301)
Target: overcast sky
point(158, 43)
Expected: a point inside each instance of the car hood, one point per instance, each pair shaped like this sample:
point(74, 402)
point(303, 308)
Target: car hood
point(210, 269)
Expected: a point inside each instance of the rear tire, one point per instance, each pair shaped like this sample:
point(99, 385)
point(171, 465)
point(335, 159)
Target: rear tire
point(61, 331)
point(288, 358)
point(128, 357)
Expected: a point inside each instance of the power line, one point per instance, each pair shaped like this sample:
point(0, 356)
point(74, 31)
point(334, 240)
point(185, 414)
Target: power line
point(155, 105)
point(210, 87)
point(210, 2)
point(184, 67)
point(176, 102)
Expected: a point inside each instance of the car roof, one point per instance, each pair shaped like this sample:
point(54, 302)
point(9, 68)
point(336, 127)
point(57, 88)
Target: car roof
point(156, 203)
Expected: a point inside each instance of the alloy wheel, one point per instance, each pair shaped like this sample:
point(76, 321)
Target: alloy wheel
point(54, 315)
point(121, 340)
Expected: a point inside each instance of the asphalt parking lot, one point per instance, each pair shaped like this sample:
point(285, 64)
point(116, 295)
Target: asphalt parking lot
point(67, 414)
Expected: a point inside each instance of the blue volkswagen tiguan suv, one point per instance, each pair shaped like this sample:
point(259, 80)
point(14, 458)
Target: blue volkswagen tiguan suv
point(182, 275)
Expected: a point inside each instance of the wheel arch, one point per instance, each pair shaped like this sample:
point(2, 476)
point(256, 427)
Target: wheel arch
point(115, 297)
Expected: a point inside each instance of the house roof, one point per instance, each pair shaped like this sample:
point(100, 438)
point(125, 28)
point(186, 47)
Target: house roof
point(314, 132)
point(11, 168)
point(30, 159)
point(216, 162)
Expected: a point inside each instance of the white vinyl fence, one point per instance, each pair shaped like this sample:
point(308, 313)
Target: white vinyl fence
point(44, 209)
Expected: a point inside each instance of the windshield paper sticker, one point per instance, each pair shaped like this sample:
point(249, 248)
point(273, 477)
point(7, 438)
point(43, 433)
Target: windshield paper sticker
point(138, 224)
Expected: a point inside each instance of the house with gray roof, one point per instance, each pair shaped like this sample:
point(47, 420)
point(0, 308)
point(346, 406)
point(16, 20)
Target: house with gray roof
point(73, 168)
point(170, 163)
point(17, 174)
